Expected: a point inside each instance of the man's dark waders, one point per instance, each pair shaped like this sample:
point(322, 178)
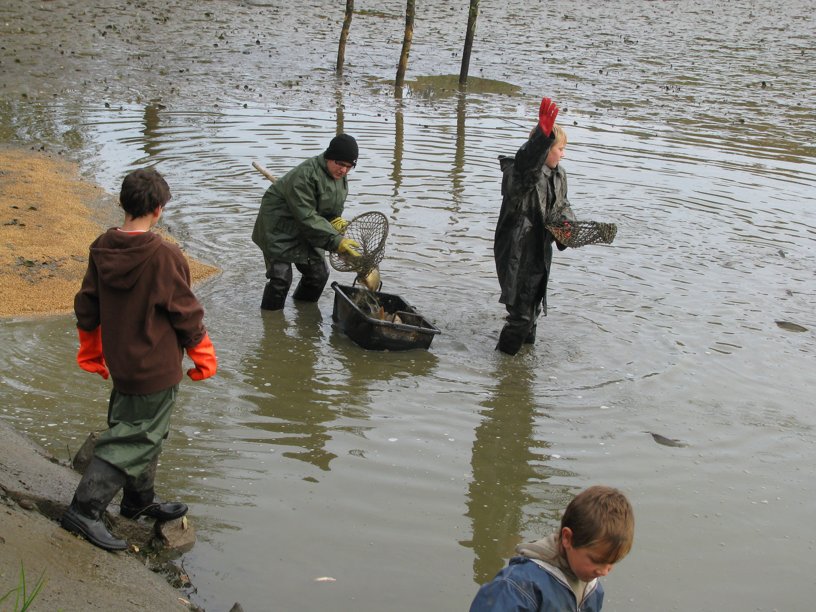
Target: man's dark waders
point(315, 275)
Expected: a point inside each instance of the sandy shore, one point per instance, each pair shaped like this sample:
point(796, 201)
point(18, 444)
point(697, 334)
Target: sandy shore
point(48, 217)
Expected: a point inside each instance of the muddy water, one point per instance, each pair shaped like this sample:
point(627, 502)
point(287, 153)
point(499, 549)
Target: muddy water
point(408, 478)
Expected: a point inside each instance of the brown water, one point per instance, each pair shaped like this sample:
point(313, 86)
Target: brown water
point(410, 477)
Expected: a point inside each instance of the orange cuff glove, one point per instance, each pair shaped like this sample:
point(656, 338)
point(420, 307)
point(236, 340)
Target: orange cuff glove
point(203, 356)
point(90, 357)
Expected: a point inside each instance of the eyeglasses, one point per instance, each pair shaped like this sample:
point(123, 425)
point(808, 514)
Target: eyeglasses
point(345, 165)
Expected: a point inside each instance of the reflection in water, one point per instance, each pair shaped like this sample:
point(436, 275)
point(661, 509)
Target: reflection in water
point(302, 395)
point(399, 143)
point(152, 138)
point(338, 106)
point(365, 372)
point(506, 462)
point(293, 400)
point(458, 170)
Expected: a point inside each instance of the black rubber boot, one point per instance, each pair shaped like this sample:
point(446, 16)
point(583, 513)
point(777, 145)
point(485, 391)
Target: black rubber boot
point(272, 298)
point(315, 275)
point(531, 337)
point(139, 498)
point(100, 483)
point(307, 293)
point(510, 339)
point(138, 505)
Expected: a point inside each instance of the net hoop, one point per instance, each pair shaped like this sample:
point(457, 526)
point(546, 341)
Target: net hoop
point(370, 230)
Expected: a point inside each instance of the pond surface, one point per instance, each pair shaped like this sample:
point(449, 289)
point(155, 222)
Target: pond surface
point(409, 477)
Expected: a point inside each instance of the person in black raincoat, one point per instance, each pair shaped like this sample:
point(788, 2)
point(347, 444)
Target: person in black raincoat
point(534, 195)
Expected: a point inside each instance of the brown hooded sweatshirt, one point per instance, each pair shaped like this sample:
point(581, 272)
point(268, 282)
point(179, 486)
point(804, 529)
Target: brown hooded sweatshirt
point(137, 286)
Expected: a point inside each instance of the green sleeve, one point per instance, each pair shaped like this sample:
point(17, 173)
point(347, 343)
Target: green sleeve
point(301, 195)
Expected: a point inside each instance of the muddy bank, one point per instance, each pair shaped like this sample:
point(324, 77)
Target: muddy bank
point(48, 217)
point(76, 575)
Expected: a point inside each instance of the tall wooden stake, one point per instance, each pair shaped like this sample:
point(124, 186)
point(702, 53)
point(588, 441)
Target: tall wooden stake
point(410, 11)
point(473, 13)
point(341, 48)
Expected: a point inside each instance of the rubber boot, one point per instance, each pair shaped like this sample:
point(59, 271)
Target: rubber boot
point(307, 293)
point(139, 498)
point(272, 298)
point(511, 339)
point(531, 337)
point(315, 275)
point(100, 483)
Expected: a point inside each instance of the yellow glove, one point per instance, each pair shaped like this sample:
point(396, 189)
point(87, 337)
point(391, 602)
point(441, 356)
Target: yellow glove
point(349, 247)
point(339, 223)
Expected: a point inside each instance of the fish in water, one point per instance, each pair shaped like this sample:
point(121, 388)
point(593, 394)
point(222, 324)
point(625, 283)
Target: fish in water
point(788, 326)
point(666, 441)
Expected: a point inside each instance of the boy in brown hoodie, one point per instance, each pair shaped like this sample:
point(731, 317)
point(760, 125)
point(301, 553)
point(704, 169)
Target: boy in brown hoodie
point(136, 315)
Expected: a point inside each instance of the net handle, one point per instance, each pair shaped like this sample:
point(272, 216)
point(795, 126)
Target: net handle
point(262, 169)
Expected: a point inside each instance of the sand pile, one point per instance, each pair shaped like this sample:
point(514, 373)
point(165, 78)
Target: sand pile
point(48, 218)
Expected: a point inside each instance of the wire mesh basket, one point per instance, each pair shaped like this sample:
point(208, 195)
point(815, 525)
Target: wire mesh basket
point(581, 233)
point(370, 230)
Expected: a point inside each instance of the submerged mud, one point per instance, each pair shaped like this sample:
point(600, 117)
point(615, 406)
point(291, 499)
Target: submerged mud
point(683, 66)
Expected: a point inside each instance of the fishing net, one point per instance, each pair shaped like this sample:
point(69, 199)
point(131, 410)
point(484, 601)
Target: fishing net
point(370, 230)
point(581, 233)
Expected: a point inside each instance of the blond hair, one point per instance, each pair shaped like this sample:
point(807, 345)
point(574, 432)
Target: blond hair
point(560, 135)
point(601, 516)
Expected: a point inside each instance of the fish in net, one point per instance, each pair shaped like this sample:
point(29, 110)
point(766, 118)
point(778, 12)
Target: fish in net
point(369, 230)
point(581, 233)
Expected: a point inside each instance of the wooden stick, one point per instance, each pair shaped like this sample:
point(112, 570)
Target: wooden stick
point(264, 171)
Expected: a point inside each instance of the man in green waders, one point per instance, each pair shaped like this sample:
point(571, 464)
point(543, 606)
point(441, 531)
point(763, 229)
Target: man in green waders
point(300, 218)
point(136, 315)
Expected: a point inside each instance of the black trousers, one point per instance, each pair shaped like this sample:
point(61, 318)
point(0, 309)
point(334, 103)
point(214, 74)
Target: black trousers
point(314, 276)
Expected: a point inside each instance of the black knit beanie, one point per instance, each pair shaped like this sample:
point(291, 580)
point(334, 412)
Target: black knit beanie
point(342, 148)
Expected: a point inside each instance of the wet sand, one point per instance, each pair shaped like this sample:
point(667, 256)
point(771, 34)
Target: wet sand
point(48, 217)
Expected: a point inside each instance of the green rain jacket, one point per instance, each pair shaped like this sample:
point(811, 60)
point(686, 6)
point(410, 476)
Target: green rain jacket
point(293, 222)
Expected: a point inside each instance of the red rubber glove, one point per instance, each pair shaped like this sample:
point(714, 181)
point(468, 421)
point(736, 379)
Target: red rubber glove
point(90, 357)
point(547, 113)
point(203, 355)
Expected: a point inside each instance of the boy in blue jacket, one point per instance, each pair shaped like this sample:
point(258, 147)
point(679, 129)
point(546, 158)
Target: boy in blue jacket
point(560, 572)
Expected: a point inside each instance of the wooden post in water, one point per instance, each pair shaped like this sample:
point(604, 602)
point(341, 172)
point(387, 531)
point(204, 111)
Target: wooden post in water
point(341, 48)
point(473, 13)
point(410, 11)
